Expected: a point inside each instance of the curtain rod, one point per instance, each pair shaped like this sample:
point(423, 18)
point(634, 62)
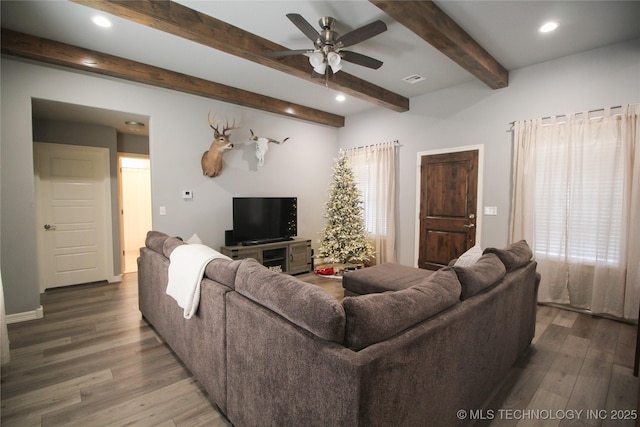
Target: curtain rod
point(579, 112)
point(396, 143)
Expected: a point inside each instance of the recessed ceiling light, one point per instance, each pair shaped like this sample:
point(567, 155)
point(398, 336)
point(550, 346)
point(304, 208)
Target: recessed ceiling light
point(134, 126)
point(340, 98)
point(101, 21)
point(547, 27)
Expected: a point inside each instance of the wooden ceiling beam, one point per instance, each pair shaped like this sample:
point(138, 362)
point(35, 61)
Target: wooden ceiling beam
point(430, 22)
point(190, 24)
point(52, 52)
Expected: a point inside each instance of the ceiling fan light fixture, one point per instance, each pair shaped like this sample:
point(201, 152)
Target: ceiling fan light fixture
point(317, 62)
point(334, 61)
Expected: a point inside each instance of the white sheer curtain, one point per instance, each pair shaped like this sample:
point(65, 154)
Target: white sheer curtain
point(4, 335)
point(576, 200)
point(374, 167)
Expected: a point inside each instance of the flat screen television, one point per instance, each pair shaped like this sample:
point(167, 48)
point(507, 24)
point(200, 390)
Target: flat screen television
point(259, 220)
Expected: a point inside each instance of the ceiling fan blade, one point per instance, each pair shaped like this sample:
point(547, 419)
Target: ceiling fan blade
point(361, 34)
point(360, 59)
point(288, 52)
point(304, 26)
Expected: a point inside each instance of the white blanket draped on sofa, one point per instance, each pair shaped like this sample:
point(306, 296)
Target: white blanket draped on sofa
point(186, 269)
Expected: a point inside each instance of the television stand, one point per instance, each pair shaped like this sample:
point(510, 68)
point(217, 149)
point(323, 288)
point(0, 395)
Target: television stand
point(263, 241)
point(287, 256)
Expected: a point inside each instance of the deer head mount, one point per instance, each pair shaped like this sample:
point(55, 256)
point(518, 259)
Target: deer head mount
point(262, 145)
point(212, 158)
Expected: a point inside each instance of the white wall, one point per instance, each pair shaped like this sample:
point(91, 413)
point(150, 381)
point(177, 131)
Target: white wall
point(471, 113)
point(179, 134)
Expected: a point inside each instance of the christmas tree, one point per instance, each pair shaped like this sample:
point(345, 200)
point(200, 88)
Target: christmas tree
point(344, 238)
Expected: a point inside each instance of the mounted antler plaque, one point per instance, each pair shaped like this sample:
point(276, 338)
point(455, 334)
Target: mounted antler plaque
point(212, 158)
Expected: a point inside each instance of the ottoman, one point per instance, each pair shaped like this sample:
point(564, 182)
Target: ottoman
point(380, 278)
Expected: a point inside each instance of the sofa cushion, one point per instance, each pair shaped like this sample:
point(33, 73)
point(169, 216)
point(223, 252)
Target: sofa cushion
point(486, 272)
point(376, 317)
point(155, 240)
point(303, 304)
point(383, 277)
point(223, 271)
point(170, 244)
point(513, 256)
point(470, 257)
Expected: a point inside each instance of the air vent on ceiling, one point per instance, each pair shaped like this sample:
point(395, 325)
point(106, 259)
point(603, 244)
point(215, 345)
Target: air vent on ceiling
point(414, 78)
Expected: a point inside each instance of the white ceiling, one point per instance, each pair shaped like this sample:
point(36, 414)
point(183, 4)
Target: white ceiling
point(506, 29)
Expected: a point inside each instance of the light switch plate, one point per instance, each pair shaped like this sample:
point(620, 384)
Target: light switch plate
point(491, 210)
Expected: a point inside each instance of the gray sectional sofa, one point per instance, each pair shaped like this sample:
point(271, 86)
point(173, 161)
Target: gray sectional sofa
point(272, 350)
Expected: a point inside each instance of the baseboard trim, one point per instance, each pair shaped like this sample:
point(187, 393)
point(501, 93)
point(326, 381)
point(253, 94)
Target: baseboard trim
point(38, 313)
point(115, 279)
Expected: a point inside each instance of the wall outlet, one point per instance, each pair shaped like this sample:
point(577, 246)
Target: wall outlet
point(187, 194)
point(163, 210)
point(491, 210)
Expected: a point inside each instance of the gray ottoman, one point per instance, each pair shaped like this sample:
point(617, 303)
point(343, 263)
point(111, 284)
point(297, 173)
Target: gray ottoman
point(381, 278)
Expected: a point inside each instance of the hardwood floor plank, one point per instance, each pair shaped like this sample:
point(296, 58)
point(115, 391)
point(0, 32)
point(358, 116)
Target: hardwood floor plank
point(147, 409)
point(584, 326)
point(34, 412)
point(202, 415)
point(562, 375)
point(112, 394)
point(71, 387)
point(553, 338)
point(626, 346)
point(543, 400)
point(592, 386)
point(565, 318)
point(45, 374)
point(604, 340)
point(620, 398)
point(546, 313)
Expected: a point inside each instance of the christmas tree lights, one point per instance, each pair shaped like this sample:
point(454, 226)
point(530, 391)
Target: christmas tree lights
point(344, 239)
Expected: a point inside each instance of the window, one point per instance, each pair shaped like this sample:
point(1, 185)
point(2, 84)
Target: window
point(579, 198)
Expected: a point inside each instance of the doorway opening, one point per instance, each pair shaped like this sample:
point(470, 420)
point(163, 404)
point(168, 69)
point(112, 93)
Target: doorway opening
point(134, 179)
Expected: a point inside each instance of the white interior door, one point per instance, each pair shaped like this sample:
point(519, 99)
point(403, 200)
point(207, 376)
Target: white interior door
point(72, 189)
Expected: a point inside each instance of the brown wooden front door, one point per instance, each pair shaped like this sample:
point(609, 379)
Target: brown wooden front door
point(448, 200)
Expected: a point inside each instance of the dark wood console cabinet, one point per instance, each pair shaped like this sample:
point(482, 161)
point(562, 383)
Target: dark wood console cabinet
point(291, 256)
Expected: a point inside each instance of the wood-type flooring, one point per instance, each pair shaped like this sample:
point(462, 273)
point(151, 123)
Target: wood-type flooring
point(93, 361)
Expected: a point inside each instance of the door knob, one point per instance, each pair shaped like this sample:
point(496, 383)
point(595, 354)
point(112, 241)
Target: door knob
point(49, 227)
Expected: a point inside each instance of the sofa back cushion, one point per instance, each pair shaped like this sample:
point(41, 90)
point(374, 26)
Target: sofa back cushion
point(170, 244)
point(376, 317)
point(223, 271)
point(303, 304)
point(513, 256)
point(482, 275)
point(155, 240)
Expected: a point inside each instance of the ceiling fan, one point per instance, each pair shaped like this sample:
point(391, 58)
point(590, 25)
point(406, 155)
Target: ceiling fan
point(328, 44)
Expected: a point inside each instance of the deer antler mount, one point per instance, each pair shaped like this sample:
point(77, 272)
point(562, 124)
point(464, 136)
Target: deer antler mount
point(212, 158)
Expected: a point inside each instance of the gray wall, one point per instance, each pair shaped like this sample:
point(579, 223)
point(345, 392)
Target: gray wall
point(471, 114)
point(178, 135)
point(133, 144)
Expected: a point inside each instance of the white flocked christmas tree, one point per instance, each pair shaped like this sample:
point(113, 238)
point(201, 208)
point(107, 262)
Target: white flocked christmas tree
point(344, 239)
